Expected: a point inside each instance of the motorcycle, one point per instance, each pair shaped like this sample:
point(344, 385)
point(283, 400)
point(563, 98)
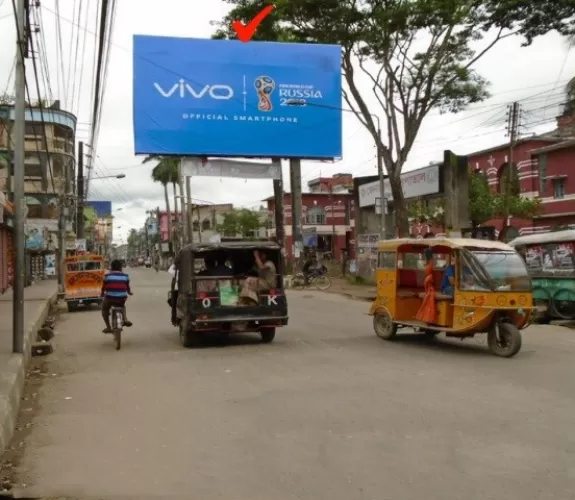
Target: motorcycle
point(316, 277)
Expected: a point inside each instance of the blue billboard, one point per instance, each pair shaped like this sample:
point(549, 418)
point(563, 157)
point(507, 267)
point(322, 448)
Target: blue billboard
point(202, 97)
point(102, 208)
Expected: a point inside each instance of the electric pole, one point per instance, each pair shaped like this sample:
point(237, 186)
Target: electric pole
point(510, 174)
point(19, 191)
point(382, 198)
point(296, 207)
point(80, 194)
point(333, 235)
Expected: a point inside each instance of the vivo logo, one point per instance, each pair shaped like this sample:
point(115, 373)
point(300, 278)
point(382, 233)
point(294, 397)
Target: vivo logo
point(183, 89)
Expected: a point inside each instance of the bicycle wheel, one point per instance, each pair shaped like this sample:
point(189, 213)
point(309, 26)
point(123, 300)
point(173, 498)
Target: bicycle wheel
point(118, 320)
point(322, 282)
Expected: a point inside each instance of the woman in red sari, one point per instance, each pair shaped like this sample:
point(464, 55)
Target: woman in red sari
point(428, 310)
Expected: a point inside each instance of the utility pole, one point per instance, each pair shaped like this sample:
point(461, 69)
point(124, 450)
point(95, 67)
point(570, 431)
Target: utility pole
point(296, 206)
point(62, 219)
point(333, 235)
point(19, 191)
point(383, 200)
point(147, 251)
point(513, 129)
point(80, 194)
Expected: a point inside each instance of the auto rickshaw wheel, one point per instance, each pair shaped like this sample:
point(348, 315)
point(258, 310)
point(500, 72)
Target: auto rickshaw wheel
point(188, 337)
point(268, 334)
point(384, 326)
point(504, 339)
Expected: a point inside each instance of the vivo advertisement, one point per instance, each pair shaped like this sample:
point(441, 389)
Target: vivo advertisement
point(202, 97)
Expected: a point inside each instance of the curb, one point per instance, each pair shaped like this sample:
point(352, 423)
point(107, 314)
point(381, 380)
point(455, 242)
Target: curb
point(13, 375)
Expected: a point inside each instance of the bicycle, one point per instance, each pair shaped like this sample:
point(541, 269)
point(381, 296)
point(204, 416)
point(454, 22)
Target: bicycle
point(117, 314)
point(319, 279)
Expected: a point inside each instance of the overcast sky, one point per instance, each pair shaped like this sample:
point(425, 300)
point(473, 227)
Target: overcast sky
point(536, 75)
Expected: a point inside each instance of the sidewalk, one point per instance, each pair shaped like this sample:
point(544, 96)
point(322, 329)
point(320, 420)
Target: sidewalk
point(360, 292)
point(37, 301)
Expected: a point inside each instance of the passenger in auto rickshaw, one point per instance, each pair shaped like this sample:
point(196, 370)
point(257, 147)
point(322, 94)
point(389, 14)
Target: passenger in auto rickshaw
point(448, 282)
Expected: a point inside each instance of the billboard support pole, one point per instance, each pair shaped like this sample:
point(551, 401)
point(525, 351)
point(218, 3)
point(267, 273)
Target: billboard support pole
point(183, 234)
point(279, 206)
point(189, 209)
point(296, 208)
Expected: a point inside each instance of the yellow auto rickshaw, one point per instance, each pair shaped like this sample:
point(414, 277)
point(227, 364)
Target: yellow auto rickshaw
point(459, 286)
point(83, 278)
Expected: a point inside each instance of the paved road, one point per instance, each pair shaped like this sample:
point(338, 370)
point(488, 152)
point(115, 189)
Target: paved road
point(328, 411)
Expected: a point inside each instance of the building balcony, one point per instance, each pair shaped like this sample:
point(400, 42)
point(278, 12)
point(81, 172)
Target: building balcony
point(55, 145)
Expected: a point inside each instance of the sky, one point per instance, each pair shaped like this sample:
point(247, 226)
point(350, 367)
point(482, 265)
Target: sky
point(535, 76)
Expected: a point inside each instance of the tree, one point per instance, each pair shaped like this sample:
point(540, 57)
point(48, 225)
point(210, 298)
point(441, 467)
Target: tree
point(381, 40)
point(166, 172)
point(240, 222)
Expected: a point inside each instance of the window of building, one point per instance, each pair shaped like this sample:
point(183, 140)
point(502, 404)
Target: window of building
point(558, 188)
point(32, 129)
point(386, 260)
point(33, 170)
point(315, 216)
point(196, 226)
point(206, 225)
point(542, 173)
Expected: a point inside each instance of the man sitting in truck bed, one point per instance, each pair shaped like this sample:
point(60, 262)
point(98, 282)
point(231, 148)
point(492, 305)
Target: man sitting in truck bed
point(265, 280)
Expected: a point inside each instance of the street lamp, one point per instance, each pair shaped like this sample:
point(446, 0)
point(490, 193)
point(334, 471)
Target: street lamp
point(119, 176)
point(383, 204)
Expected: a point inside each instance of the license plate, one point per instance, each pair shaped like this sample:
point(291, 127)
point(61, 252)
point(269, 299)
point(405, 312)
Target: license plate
point(80, 302)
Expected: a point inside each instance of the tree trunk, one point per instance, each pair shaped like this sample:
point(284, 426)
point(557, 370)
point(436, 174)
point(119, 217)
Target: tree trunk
point(168, 211)
point(401, 215)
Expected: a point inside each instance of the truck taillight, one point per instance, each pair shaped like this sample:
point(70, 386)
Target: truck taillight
point(202, 295)
point(273, 292)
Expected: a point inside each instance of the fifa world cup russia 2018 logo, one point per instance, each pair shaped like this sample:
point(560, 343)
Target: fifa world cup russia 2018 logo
point(264, 87)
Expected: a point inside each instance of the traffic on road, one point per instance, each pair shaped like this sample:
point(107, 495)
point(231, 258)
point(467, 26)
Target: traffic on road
point(326, 411)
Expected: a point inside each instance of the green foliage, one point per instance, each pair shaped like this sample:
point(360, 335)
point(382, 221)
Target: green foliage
point(241, 222)
point(381, 41)
point(166, 170)
point(531, 19)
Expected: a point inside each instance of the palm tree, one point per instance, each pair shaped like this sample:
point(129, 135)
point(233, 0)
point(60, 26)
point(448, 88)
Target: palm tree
point(166, 172)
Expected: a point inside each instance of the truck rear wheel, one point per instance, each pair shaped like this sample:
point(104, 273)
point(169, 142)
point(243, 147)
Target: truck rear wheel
point(268, 334)
point(189, 338)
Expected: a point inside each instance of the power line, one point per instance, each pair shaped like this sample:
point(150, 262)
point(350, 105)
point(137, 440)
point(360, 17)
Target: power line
point(41, 106)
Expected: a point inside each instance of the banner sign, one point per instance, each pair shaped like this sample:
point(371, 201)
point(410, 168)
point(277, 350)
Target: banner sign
point(102, 208)
point(201, 97)
point(420, 182)
point(192, 167)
